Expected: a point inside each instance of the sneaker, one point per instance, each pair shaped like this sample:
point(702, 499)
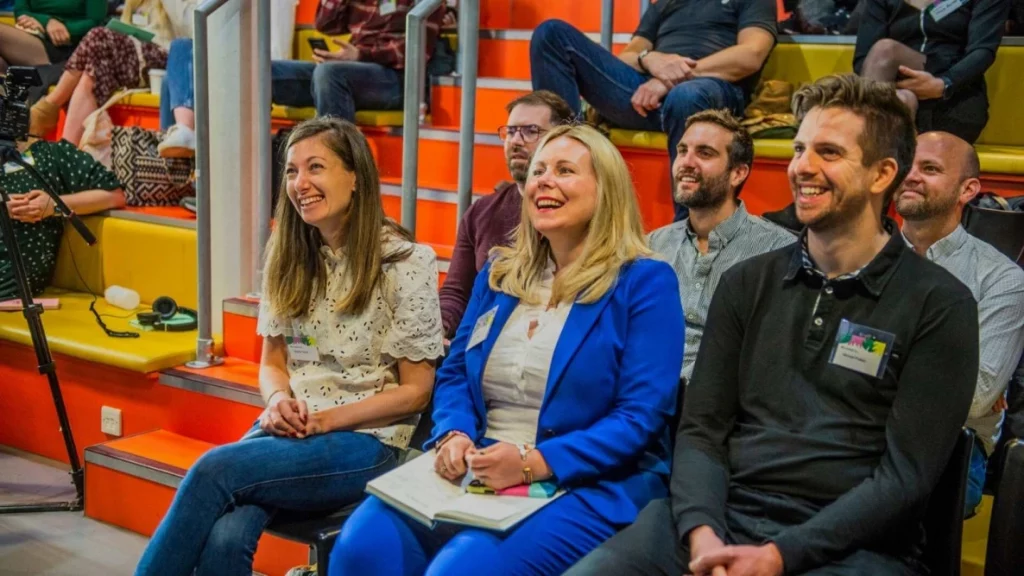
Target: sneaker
point(309, 570)
point(179, 142)
point(43, 118)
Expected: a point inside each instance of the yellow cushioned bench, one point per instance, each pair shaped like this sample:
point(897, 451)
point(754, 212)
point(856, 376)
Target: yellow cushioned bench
point(152, 259)
point(1000, 147)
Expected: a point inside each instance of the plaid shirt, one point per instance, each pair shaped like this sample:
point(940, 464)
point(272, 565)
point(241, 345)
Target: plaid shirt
point(380, 39)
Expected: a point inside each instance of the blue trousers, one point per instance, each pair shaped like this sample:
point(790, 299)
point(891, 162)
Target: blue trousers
point(380, 541)
point(233, 491)
point(975, 479)
point(568, 63)
point(178, 87)
point(336, 88)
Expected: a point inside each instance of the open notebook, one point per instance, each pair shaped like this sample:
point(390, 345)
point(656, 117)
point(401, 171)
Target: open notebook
point(415, 489)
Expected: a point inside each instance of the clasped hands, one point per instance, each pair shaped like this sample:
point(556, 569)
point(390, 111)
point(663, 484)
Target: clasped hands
point(31, 207)
point(667, 71)
point(55, 29)
point(290, 417)
point(711, 557)
point(497, 466)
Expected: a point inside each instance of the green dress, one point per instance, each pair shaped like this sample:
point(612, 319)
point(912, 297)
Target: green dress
point(68, 170)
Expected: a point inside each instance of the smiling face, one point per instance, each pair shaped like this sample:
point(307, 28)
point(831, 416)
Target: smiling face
point(561, 192)
point(829, 181)
point(319, 185)
point(701, 172)
point(519, 148)
point(937, 182)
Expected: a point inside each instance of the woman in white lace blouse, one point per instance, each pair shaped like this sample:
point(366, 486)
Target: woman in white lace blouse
point(351, 326)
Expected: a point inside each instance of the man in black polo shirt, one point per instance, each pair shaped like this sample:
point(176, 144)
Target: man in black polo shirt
point(831, 383)
point(685, 56)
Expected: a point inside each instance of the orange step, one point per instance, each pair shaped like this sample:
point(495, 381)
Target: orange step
point(236, 380)
point(586, 16)
point(130, 483)
point(239, 317)
point(506, 53)
point(492, 95)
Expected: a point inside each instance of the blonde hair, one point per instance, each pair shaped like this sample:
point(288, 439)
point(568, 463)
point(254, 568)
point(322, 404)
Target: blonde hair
point(614, 238)
point(295, 272)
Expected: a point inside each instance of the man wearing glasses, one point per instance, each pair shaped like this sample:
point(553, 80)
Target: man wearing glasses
point(489, 220)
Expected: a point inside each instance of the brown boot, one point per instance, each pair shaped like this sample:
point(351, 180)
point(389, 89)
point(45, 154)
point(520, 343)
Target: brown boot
point(44, 118)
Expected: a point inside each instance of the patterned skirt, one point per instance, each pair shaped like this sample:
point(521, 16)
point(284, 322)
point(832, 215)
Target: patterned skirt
point(112, 59)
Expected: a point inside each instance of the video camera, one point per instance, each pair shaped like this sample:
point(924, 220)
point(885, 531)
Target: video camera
point(14, 109)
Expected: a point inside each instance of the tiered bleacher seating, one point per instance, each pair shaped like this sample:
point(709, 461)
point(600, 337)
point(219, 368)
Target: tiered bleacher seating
point(172, 415)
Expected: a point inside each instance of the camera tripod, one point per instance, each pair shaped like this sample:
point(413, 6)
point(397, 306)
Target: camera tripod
point(32, 312)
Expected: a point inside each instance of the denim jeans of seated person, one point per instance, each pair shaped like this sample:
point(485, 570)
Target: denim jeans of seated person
point(177, 89)
point(230, 495)
point(336, 88)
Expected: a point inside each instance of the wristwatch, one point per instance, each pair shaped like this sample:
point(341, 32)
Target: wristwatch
point(946, 85)
point(640, 60)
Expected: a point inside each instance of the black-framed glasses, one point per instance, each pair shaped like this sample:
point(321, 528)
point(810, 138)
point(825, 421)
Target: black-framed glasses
point(530, 132)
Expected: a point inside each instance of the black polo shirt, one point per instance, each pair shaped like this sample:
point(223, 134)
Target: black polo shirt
point(699, 28)
point(768, 410)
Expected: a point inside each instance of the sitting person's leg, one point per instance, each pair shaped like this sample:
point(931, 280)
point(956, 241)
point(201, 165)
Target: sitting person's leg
point(883, 63)
point(342, 88)
point(378, 540)
point(568, 63)
point(231, 545)
point(291, 83)
point(180, 141)
point(648, 546)
point(19, 48)
point(975, 479)
point(322, 472)
point(549, 542)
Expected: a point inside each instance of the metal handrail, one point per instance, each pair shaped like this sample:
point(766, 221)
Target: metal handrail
point(415, 80)
point(200, 18)
point(607, 14)
point(469, 42)
point(264, 150)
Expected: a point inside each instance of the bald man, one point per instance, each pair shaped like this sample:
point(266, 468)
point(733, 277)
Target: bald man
point(943, 178)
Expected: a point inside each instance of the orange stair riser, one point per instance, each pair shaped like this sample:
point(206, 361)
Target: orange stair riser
point(138, 505)
point(435, 221)
point(144, 404)
point(446, 107)
point(240, 338)
point(438, 162)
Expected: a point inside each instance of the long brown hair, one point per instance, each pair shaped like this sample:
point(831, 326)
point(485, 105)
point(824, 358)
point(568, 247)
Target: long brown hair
point(295, 272)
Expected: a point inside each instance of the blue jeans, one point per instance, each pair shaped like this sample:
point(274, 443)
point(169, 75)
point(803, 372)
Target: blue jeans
point(975, 480)
point(336, 88)
point(380, 541)
point(233, 491)
point(178, 87)
point(568, 63)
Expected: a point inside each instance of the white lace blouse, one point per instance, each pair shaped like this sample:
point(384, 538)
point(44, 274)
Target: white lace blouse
point(359, 352)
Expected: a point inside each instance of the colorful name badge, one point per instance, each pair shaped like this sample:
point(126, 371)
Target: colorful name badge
point(11, 167)
point(302, 348)
point(862, 348)
point(388, 7)
point(482, 328)
point(942, 8)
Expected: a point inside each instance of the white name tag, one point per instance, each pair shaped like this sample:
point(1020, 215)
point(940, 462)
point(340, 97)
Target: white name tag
point(862, 348)
point(388, 7)
point(302, 349)
point(482, 328)
point(140, 19)
point(11, 167)
point(944, 8)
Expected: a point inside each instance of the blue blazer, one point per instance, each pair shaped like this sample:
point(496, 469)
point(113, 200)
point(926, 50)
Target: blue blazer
point(611, 391)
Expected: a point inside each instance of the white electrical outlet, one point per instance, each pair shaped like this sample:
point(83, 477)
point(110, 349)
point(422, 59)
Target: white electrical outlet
point(110, 421)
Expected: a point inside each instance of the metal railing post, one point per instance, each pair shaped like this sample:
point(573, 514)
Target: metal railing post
point(607, 15)
point(204, 342)
point(264, 168)
point(469, 40)
point(415, 78)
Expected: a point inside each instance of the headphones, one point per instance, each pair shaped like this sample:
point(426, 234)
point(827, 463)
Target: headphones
point(164, 309)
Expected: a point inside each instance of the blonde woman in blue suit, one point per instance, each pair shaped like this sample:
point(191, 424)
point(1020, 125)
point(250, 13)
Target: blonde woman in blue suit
point(565, 368)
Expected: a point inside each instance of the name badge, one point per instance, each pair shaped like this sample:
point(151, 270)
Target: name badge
point(388, 7)
point(302, 349)
point(942, 8)
point(140, 19)
point(862, 348)
point(482, 328)
point(11, 167)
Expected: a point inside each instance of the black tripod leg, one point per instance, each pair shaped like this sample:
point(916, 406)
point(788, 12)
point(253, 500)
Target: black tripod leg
point(46, 367)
